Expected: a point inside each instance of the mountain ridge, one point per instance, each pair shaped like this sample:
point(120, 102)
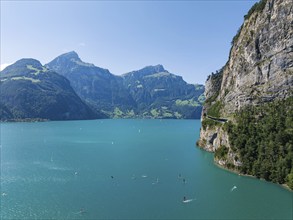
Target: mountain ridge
point(31, 91)
point(147, 70)
point(116, 95)
point(150, 92)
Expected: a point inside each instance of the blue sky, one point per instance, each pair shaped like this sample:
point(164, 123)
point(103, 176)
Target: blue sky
point(190, 38)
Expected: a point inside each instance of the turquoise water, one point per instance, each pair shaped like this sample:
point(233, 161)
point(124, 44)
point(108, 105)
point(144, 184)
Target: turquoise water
point(53, 170)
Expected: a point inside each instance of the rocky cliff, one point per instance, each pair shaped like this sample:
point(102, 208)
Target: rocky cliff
point(259, 72)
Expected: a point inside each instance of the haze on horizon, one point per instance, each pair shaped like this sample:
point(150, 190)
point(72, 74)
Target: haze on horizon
point(190, 38)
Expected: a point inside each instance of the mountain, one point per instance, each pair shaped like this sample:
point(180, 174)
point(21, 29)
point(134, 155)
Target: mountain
point(98, 87)
point(151, 92)
point(159, 93)
point(247, 118)
point(29, 91)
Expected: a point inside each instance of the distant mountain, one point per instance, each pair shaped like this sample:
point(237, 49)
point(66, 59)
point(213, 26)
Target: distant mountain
point(98, 87)
point(31, 91)
point(159, 93)
point(151, 92)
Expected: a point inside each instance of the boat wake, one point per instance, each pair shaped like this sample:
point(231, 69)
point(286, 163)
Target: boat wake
point(233, 188)
point(188, 200)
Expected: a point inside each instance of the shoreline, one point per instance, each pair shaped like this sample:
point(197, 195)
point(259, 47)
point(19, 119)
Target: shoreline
point(25, 120)
point(284, 186)
point(49, 120)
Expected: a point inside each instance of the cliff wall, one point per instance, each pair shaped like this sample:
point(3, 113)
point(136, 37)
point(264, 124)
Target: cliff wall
point(259, 71)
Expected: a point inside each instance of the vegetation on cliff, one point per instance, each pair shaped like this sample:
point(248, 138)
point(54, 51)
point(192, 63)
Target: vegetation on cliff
point(257, 7)
point(263, 138)
point(216, 81)
point(206, 122)
point(213, 105)
point(215, 109)
point(221, 152)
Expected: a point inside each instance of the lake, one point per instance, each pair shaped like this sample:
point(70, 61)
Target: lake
point(123, 169)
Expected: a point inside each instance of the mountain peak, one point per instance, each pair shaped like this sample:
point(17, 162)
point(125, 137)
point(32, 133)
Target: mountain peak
point(70, 55)
point(23, 66)
point(154, 69)
point(27, 61)
point(67, 60)
point(148, 70)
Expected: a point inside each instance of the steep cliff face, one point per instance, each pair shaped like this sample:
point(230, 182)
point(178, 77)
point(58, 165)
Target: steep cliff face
point(260, 67)
point(259, 71)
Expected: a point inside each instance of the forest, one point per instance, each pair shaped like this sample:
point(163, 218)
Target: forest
point(262, 137)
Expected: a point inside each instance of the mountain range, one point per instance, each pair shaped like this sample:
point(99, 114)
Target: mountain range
point(68, 89)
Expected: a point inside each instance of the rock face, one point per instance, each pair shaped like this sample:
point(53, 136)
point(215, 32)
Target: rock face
point(259, 70)
point(260, 66)
point(31, 91)
point(151, 92)
point(97, 86)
